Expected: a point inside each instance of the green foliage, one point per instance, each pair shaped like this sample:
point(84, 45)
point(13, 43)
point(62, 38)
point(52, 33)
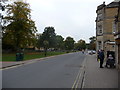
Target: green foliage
point(19, 29)
point(69, 43)
point(38, 40)
point(47, 39)
point(46, 45)
point(92, 44)
point(92, 39)
point(81, 44)
point(49, 36)
point(59, 42)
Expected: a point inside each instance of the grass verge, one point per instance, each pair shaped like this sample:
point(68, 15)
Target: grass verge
point(28, 56)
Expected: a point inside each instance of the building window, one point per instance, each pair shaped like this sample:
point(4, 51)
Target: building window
point(114, 27)
point(100, 17)
point(99, 45)
point(113, 46)
point(99, 30)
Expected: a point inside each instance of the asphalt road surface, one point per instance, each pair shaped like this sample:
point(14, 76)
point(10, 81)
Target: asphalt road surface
point(54, 72)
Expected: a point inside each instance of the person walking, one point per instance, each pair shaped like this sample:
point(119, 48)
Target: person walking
point(101, 57)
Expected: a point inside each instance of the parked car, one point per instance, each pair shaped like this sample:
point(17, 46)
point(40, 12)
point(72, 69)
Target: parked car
point(91, 52)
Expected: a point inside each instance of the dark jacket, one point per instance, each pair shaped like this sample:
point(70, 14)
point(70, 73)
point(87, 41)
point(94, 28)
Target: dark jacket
point(101, 55)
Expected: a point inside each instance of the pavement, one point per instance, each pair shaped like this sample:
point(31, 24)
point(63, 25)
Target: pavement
point(94, 77)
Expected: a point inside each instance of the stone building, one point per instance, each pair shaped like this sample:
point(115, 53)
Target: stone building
point(99, 25)
point(116, 31)
point(104, 27)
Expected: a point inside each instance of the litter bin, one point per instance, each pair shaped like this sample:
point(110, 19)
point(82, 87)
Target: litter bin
point(19, 56)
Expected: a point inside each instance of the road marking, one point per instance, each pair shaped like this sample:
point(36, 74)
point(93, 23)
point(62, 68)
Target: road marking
point(83, 81)
point(79, 76)
point(77, 80)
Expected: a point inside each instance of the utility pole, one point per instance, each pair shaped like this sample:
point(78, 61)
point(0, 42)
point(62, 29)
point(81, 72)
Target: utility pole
point(2, 8)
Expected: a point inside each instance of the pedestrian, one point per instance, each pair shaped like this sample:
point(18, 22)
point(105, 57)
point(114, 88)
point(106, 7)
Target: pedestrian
point(101, 57)
point(98, 59)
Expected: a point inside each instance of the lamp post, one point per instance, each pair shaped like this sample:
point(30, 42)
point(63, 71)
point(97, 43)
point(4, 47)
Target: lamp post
point(1, 8)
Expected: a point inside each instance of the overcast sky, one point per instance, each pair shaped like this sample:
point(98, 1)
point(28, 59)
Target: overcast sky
point(75, 18)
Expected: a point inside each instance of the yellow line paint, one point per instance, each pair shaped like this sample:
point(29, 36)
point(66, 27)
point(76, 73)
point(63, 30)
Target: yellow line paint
point(77, 80)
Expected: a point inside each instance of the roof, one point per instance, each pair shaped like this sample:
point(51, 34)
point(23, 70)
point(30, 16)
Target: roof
point(116, 0)
point(101, 6)
point(113, 4)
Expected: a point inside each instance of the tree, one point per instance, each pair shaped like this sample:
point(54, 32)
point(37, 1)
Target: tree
point(80, 45)
point(46, 45)
point(92, 39)
point(48, 38)
point(38, 37)
point(19, 29)
point(69, 43)
point(92, 44)
point(59, 42)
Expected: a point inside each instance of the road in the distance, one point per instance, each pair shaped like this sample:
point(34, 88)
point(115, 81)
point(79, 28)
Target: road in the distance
point(55, 72)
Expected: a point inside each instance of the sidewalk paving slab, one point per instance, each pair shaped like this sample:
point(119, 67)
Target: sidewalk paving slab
point(96, 77)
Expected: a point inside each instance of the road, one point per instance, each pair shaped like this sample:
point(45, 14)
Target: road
point(54, 72)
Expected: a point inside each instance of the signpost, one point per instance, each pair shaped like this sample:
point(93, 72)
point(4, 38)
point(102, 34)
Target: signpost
point(1, 9)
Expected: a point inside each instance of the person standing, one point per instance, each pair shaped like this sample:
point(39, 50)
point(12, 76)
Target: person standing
point(98, 55)
point(101, 57)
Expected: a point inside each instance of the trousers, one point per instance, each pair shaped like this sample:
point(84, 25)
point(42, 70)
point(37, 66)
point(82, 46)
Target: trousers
point(101, 63)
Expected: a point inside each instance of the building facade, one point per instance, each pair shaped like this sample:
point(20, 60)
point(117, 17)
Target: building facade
point(104, 27)
point(99, 25)
point(117, 36)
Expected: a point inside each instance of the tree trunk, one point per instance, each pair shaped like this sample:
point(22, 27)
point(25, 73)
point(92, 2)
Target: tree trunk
point(45, 52)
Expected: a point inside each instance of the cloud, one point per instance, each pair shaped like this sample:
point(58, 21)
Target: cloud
point(74, 18)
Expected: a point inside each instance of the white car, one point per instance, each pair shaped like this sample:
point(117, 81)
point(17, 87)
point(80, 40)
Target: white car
point(91, 52)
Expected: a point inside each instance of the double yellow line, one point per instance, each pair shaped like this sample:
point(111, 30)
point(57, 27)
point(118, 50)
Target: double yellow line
point(77, 80)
